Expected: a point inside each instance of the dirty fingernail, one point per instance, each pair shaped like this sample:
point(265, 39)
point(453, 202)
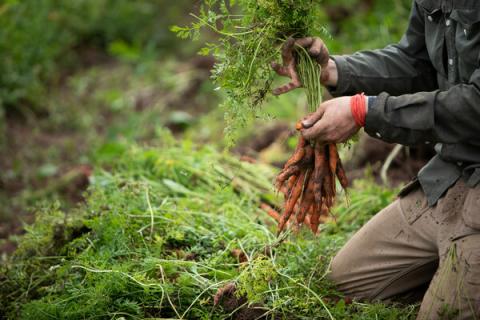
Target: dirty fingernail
point(306, 123)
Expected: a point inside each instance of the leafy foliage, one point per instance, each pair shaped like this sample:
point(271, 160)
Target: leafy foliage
point(249, 41)
point(155, 239)
point(40, 38)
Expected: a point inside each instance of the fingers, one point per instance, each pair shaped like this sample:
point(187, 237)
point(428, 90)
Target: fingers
point(316, 48)
point(319, 51)
point(305, 42)
point(314, 117)
point(316, 131)
point(280, 70)
point(287, 51)
point(288, 68)
point(286, 88)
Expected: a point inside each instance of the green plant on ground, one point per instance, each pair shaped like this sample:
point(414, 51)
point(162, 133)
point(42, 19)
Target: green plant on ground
point(41, 41)
point(155, 240)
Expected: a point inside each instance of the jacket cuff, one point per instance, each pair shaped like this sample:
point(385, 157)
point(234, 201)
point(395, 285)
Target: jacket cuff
point(375, 124)
point(344, 77)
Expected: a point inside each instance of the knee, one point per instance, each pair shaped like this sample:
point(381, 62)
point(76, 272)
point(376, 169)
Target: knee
point(350, 276)
point(342, 275)
point(467, 258)
point(337, 269)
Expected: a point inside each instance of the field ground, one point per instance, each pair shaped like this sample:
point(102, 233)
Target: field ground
point(118, 198)
point(108, 126)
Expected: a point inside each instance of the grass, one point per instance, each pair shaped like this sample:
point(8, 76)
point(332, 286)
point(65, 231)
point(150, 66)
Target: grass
point(91, 119)
point(157, 232)
point(155, 240)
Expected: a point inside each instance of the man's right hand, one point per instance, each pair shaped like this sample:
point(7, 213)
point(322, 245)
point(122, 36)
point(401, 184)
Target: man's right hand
point(317, 50)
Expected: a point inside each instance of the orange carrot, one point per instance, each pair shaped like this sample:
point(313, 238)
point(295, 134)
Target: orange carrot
point(307, 221)
point(270, 211)
point(314, 221)
point(320, 171)
point(311, 189)
point(292, 200)
point(307, 202)
point(329, 190)
point(333, 157)
point(342, 176)
point(308, 159)
point(298, 154)
point(299, 125)
point(286, 174)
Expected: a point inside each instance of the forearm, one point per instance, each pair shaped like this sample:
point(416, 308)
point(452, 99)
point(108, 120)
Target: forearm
point(330, 74)
point(398, 69)
point(448, 117)
point(387, 70)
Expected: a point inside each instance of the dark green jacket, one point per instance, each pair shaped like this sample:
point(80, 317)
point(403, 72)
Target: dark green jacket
point(428, 88)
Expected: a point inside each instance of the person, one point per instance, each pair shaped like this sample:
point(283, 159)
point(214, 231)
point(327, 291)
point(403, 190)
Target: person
point(423, 90)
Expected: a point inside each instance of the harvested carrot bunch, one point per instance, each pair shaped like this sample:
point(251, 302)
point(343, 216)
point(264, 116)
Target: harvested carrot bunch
point(308, 182)
point(308, 179)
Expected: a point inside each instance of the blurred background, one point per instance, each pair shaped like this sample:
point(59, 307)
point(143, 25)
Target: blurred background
point(81, 81)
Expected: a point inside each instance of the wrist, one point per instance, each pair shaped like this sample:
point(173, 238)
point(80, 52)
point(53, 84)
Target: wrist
point(359, 108)
point(329, 75)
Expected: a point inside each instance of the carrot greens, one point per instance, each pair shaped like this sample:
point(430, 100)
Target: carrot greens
point(249, 36)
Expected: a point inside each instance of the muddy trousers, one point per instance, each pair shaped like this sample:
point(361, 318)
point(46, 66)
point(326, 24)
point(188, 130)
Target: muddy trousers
point(409, 247)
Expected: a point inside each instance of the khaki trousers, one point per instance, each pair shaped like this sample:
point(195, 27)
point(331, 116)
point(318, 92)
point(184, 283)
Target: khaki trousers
point(409, 246)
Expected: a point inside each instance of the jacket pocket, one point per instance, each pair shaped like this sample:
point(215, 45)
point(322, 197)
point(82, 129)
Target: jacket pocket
point(471, 209)
point(467, 40)
point(429, 6)
point(434, 32)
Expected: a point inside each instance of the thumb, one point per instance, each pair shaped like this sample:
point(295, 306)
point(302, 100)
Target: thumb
point(311, 119)
point(316, 131)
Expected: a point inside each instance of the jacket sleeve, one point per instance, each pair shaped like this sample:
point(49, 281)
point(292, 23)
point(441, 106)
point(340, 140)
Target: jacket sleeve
point(409, 108)
point(450, 117)
point(397, 69)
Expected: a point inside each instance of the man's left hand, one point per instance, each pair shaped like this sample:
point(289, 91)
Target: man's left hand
point(333, 122)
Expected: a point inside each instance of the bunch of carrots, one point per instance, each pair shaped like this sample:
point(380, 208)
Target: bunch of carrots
point(308, 182)
point(308, 179)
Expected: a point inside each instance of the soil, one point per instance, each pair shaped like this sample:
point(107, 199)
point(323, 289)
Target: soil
point(23, 144)
point(263, 139)
point(27, 143)
point(227, 298)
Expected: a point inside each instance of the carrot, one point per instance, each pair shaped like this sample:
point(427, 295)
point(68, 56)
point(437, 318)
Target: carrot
point(323, 214)
point(302, 213)
point(298, 154)
point(299, 125)
point(329, 189)
point(320, 171)
point(342, 176)
point(291, 183)
point(307, 222)
point(307, 202)
point(311, 189)
point(314, 221)
point(308, 158)
point(286, 174)
point(333, 157)
point(292, 200)
point(270, 211)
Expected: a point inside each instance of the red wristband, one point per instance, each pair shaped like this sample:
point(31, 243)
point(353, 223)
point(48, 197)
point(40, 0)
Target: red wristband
point(358, 106)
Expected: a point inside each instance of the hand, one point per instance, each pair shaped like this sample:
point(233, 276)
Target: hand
point(333, 122)
point(317, 50)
